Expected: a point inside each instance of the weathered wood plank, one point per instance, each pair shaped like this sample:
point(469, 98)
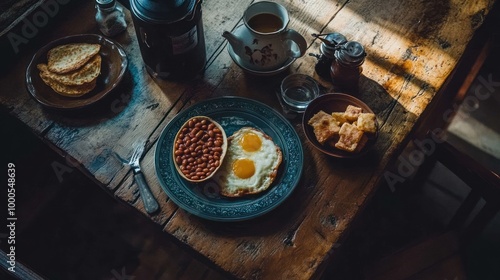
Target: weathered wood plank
point(127, 117)
point(214, 42)
point(333, 201)
point(412, 47)
point(14, 95)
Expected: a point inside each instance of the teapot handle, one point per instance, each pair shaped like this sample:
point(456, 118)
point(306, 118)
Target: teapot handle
point(293, 39)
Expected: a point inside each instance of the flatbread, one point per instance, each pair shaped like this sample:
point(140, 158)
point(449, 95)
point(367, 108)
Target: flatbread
point(66, 58)
point(84, 75)
point(71, 91)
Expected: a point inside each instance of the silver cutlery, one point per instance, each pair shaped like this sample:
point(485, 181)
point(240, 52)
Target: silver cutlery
point(150, 203)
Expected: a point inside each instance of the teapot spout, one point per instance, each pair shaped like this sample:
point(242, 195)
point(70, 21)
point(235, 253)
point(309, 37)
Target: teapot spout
point(235, 42)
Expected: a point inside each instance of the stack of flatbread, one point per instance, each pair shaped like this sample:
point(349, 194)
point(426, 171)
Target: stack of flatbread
point(72, 69)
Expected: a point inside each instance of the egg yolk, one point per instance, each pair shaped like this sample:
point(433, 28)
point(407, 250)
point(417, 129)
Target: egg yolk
point(250, 142)
point(243, 168)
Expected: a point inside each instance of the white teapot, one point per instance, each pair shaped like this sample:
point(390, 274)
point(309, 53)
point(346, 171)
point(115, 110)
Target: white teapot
point(264, 43)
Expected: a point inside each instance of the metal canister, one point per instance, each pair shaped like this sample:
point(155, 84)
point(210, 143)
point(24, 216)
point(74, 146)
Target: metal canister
point(171, 38)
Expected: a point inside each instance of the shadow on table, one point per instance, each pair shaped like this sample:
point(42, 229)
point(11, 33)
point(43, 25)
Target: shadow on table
point(107, 108)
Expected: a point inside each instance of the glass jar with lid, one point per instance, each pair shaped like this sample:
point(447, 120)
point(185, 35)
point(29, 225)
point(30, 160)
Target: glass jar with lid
point(329, 44)
point(110, 17)
point(346, 69)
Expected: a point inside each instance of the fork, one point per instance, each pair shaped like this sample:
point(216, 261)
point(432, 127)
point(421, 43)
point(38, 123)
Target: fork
point(150, 203)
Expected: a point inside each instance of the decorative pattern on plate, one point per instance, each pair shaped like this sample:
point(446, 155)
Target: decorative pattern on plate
point(203, 199)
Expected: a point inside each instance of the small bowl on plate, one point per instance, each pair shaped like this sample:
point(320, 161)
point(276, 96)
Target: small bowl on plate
point(113, 66)
point(336, 102)
point(195, 144)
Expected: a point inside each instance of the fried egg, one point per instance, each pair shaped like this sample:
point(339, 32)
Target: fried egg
point(250, 165)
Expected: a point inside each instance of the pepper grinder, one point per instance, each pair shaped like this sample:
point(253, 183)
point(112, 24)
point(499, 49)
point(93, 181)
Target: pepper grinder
point(346, 69)
point(329, 44)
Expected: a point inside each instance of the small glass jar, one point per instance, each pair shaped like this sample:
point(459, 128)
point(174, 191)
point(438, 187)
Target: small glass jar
point(346, 69)
point(327, 49)
point(110, 17)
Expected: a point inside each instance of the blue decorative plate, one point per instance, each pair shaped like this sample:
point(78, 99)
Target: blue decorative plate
point(203, 199)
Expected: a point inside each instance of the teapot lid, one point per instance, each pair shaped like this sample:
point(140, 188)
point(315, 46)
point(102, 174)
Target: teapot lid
point(162, 11)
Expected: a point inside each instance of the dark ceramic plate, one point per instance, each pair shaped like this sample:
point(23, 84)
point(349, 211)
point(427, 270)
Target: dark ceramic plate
point(203, 199)
point(335, 102)
point(113, 66)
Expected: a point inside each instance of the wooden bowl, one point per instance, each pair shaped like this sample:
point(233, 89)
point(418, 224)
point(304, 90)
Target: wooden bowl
point(336, 102)
point(203, 137)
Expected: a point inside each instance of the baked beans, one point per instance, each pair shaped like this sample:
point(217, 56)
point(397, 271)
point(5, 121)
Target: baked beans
point(198, 148)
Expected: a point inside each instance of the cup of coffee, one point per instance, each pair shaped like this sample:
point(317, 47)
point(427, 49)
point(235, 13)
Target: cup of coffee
point(265, 18)
point(265, 42)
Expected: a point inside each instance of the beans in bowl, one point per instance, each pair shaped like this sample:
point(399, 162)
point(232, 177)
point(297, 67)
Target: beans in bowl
point(199, 148)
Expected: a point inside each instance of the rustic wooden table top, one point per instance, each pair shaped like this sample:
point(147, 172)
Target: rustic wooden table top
point(412, 47)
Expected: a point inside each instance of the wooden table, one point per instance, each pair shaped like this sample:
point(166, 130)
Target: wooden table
point(412, 48)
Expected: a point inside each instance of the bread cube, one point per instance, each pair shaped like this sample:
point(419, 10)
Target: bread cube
point(352, 112)
point(339, 117)
point(324, 125)
point(367, 122)
point(350, 136)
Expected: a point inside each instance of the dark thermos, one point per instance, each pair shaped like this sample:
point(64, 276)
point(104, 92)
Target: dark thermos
point(170, 35)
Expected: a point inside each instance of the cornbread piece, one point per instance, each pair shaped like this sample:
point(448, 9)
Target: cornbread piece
point(350, 136)
point(366, 122)
point(86, 74)
point(67, 58)
point(339, 117)
point(352, 112)
point(71, 91)
point(324, 125)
